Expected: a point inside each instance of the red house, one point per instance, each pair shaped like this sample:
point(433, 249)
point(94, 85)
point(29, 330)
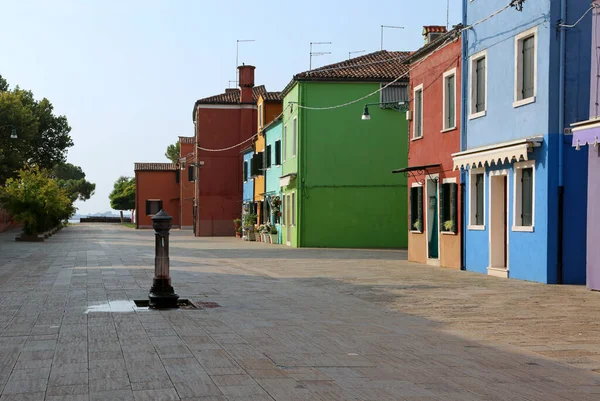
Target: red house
point(434, 131)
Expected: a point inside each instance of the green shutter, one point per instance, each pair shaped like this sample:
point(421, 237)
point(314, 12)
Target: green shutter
point(278, 153)
point(450, 102)
point(454, 206)
point(245, 171)
point(528, 53)
point(268, 156)
point(442, 206)
point(480, 79)
point(420, 206)
point(418, 114)
point(148, 211)
point(527, 197)
point(479, 213)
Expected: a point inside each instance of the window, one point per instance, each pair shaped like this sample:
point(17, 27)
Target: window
point(418, 118)
point(293, 217)
point(285, 142)
point(416, 209)
point(294, 136)
point(153, 206)
point(395, 93)
point(191, 173)
point(245, 171)
point(177, 176)
point(449, 93)
point(260, 115)
point(448, 207)
point(524, 196)
point(478, 84)
point(477, 199)
point(256, 166)
point(283, 210)
point(268, 158)
point(525, 67)
point(278, 153)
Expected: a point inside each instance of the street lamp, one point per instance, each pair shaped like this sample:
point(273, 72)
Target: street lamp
point(367, 116)
point(13, 133)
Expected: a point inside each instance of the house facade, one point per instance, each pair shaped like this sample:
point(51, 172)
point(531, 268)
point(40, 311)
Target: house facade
point(525, 80)
point(586, 137)
point(434, 129)
point(337, 190)
point(273, 172)
point(221, 122)
point(156, 188)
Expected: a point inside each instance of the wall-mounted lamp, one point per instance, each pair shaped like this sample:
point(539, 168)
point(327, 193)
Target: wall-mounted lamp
point(400, 106)
point(366, 115)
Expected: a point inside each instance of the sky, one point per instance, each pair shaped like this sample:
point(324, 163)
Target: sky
point(127, 73)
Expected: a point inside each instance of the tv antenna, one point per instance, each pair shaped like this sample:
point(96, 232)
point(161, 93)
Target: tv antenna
point(355, 52)
point(316, 54)
point(237, 57)
point(388, 27)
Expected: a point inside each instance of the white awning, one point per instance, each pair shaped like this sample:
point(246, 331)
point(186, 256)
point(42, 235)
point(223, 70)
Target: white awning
point(286, 179)
point(496, 154)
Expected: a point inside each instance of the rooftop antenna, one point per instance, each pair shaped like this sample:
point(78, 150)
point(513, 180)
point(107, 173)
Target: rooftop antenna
point(448, 15)
point(355, 52)
point(237, 57)
point(388, 27)
point(315, 54)
point(230, 81)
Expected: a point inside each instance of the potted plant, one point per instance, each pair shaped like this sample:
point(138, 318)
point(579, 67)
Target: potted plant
point(267, 232)
point(238, 232)
point(260, 230)
point(273, 234)
point(237, 223)
point(417, 225)
point(449, 225)
point(248, 224)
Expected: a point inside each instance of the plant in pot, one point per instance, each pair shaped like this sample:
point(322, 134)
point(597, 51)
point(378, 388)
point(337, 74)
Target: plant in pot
point(261, 232)
point(237, 223)
point(238, 232)
point(417, 225)
point(266, 233)
point(273, 234)
point(248, 224)
point(449, 226)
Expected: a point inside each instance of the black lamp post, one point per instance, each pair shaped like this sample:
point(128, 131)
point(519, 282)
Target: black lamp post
point(400, 106)
point(162, 295)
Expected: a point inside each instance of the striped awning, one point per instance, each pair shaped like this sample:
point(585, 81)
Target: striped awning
point(496, 154)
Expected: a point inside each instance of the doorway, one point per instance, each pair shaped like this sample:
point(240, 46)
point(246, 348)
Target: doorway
point(432, 219)
point(499, 224)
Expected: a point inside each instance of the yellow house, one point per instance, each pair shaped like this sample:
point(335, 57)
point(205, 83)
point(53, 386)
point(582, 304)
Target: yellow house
point(269, 107)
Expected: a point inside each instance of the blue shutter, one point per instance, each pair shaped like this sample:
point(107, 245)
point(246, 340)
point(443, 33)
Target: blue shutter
point(527, 197)
point(528, 54)
point(480, 82)
point(479, 213)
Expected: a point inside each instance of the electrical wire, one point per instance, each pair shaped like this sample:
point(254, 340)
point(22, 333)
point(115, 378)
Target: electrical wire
point(592, 6)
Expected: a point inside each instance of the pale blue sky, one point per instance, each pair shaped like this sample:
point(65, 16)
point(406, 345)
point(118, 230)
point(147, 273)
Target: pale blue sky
point(127, 73)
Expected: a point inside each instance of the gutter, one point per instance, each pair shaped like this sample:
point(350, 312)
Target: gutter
point(561, 128)
point(463, 134)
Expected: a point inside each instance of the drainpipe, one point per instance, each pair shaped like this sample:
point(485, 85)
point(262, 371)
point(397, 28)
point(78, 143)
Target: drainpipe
point(463, 135)
point(561, 127)
point(301, 157)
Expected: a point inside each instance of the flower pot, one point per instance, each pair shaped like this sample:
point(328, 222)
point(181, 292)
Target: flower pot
point(265, 238)
point(273, 238)
point(251, 236)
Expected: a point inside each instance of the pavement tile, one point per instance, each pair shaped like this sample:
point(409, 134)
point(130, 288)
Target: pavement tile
point(156, 395)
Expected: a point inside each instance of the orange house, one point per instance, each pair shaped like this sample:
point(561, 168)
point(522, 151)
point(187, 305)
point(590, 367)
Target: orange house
point(269, 107)
point(156, 187)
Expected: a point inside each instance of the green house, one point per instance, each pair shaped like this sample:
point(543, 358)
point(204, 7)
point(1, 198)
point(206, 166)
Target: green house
point(337, 187)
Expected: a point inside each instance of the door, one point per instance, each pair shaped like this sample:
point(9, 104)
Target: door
point(432, 219)
point(498, 222)
point(288, 221)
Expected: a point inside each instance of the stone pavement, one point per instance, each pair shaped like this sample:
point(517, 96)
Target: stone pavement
point(293, 325)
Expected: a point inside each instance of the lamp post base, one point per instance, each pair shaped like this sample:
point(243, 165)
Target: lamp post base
point(162, 295)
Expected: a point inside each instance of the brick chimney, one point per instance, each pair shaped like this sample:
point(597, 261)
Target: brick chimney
point(246, 76)
point(432, 32)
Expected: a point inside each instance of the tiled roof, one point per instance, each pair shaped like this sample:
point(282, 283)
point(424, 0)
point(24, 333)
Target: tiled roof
point(454, 34)
point(155, 167)
point(434, 29)
point(232, 96)
point(378, 66)
point(186, 140)
point(272, 97)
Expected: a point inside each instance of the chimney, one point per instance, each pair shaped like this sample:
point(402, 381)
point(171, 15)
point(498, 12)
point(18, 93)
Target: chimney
point(246, 77)
point(432, 32)
point(231, 90)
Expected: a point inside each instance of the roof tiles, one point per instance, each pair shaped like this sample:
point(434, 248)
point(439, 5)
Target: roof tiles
point(155, 167)
point(232, 96)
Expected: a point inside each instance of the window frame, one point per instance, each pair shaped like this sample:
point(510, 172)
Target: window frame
point(411, 221)
point(518, 73)
point(453, 208)
point(277, 146)
point(418, 88)
point(160, 206)
point(293, 209)
point(448, 74)
point(473, 87)
point(517, 196)
point(268, 157)
point(473, 172)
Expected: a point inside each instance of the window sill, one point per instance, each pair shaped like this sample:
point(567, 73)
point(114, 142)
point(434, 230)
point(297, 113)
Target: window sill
point(524, 102)
point(416, 139)
point(477, 228)
point(416, 232)
point(523, 229)
point(448, 233)
point(477, 115)
point(448, 129)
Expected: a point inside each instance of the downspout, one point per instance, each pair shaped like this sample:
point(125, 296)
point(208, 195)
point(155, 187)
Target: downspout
point(463, 134)
point(561, 127)
point(301, 160)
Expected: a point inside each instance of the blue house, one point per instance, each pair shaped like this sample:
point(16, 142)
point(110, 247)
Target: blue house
point(526, 77)
point(272, 133)
point(248, 189)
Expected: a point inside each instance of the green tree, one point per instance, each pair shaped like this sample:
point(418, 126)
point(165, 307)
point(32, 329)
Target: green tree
point(122, 196)
point(36, 200)
point(72, 179)
point(43, 137)
point(172, 152)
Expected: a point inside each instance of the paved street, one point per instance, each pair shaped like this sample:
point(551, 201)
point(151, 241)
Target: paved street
point(292, 325)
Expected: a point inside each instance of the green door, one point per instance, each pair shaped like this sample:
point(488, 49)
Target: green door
point(433, 227)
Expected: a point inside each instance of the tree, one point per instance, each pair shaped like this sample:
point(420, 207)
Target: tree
point(122, 196)
point(36, 200)
point(72, 179)
point(43, 137)
point(172, 152)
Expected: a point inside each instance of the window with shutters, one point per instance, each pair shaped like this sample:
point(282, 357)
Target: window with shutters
point(524, 196)
point(449, 93)
point(525, 67)
point(246, 171)
point(278, 153)
point(418, 108)
point(477, 199)
point(268, 158)
point(294, 136)
point(191, 173)
point(293, 210)
point(256, 166)
point(416, 209)
point(448, 207)
point(478, 72)
point(153, 206)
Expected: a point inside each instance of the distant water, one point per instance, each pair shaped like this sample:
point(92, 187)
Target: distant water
point(74, 221)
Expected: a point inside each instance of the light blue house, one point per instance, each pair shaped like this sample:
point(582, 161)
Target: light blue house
point(272, 134)
point(248, 189)
point(526, 78)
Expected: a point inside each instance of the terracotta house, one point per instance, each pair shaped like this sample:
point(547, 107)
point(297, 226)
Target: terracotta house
point(156, 188)
point(434, 132)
